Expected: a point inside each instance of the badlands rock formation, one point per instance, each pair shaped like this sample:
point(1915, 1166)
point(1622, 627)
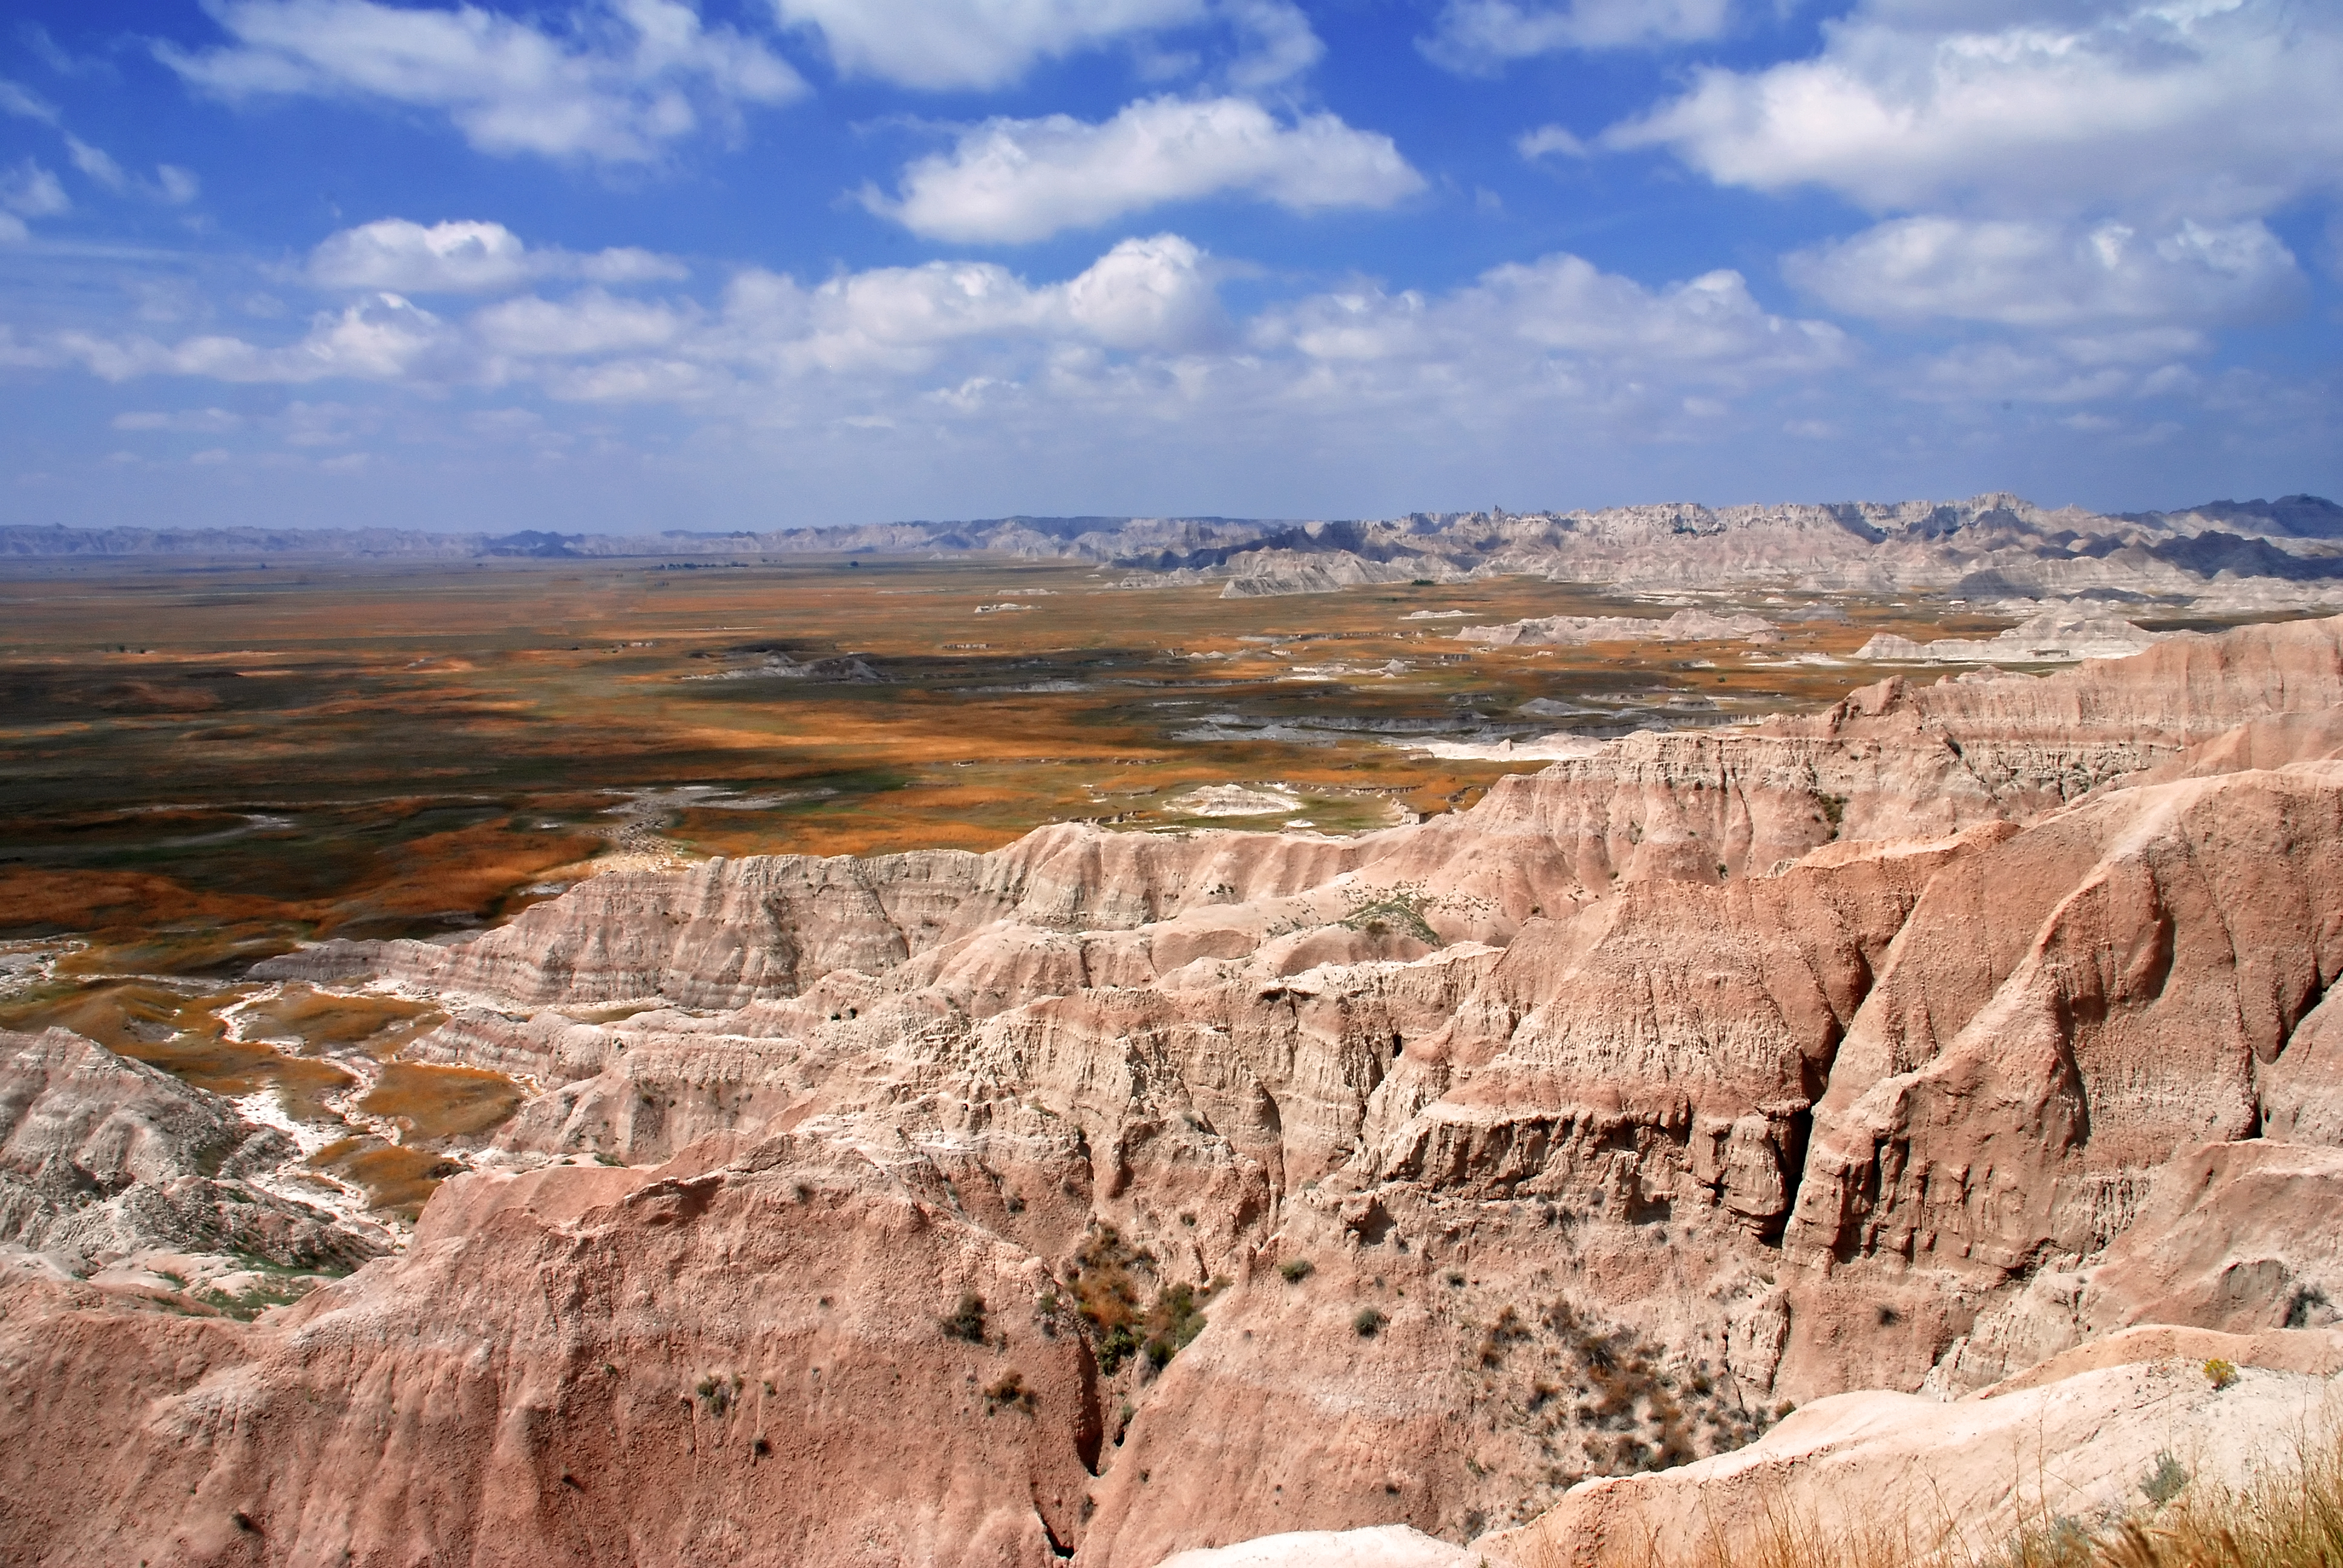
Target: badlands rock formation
point(1685, 625)
point(101, 1157)
point(2062, 634)
point(2230, 555)
point(1113, 1195)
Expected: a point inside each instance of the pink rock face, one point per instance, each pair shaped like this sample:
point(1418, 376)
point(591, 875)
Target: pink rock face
point(1313, 1184)
point(741, 1365)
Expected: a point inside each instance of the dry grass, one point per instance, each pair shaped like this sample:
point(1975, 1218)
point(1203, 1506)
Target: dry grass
point(436, 1102)
point(2288, 1516)
point(394, 1178)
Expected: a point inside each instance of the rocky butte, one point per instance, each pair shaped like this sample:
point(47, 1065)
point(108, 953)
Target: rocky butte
point(1889, 1110)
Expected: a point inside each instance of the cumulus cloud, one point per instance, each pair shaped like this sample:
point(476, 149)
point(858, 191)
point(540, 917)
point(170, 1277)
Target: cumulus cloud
point(1015, 180)
point(466, 257)
point(1141, 334)
point(1278, 42)
point(589, 323)
point(1154, 294)
point(1546, 139)
point(2210, 111)
point(1563, 310)
point(620, 85)
point(382, 338)
point(940, 45)
point(1478, 37)
point(2042, 275)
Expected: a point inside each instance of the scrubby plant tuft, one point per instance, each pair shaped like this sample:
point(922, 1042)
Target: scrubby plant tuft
point(1009, 1392)
point(966, 1321)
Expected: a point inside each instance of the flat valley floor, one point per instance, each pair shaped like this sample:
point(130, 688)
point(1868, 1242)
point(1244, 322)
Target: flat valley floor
point(203, 765)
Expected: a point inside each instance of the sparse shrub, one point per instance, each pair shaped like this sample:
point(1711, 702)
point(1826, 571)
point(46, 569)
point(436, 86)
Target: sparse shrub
point(1367, 1322)
point(1504, 1334)
point(2221, 1373)
point(2164, 1482)
point(1105, 1294)
point(1115, 1348)
point(1294, 1270)
point(1176, 1319)
point(1009, 1391)
point(716, 1392)
point(966, 1321)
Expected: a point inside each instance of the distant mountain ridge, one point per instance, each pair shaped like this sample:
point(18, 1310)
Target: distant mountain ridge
point(2282, 552)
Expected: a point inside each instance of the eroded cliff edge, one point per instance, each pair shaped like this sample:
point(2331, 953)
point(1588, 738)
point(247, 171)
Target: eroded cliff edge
point(1899, 1047)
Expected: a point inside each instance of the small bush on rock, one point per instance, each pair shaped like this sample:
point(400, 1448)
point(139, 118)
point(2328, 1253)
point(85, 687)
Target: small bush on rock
point(966, 1321)
point(1009, 1391)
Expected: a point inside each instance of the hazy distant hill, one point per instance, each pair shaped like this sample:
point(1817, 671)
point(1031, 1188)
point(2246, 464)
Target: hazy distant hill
point(2239, 554)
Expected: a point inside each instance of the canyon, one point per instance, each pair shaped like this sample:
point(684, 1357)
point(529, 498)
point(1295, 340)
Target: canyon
point(1771, 1098)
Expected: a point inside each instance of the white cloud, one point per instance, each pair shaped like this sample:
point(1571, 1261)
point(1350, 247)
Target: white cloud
point(1147, 294)
point(32, 191)
point(1153, 295)
point(1278, 42)
point(589, 323)
point(619, 85)
point(1479, 37)
point(940, 45)
point(1014, 180)
point(13, 231)
point(171, 185)
point(2040, 274)
point(384, 338)
point(2209, 109)
point(460, 258)
point(200, 421)
point(1546, 139)
point(1562, 309)
point(97, 164)
point(26, 104)
point(1139, 335)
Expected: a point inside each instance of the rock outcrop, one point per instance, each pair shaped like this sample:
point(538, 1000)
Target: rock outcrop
point(2062, 634)
point(102, 1157)
point(1910, 1477)
point(1311, 1184)
point(2239, 556)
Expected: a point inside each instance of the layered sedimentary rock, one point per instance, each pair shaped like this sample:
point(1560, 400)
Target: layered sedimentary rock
point(1310, 1184)
point(101, 1157)
point(1684, 626)
point(2064, 634)
point(2090, 1437)
point(2240, 555)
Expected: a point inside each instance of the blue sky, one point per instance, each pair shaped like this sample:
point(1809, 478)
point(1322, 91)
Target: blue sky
point(642, 264)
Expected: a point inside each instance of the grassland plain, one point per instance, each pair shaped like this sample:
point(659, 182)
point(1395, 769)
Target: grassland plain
point(203, 765)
